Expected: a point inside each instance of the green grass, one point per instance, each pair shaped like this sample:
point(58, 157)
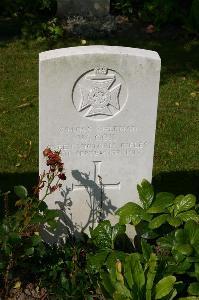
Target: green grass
point(177, 142)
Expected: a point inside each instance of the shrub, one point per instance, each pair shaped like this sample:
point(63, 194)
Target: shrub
point(22, 8)
point(160, 262)
point(161, 12)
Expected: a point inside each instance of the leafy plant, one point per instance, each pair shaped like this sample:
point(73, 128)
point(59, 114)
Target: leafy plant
point(162, 262)
point(124, 7)
point(22, 7)
point(160, 12)
point(62, 271)
point(105, 251)
point(20, 231)
point(182, 245)
point(50, 29)
point(157, 210)
point(132, 280)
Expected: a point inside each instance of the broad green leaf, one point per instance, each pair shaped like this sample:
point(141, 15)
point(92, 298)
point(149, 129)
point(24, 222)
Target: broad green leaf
point(158, 221)
point(144, 231)
point(177, 200)
point(170, 209)
point(118, 296)
point(108, 285)
point(14, 238)
point(117, 230)
point(146, 193)
point(113, 257)
point(167, 241)
point(121, 293)
point(151, 275)
point(43, 206)
point(179, 257)
point(146, 249)
point(184, 249)
point(197, 270)
point(52, 224)
point(64, 280)
point(37, 219)
point(51, 214)
point(174, 221)
point(173, 295)
point(182, 267)
point(138, 277)
point(21, 191)
point(193, 289)
point(29, 251)
point(181, 237)
point(161, 202)
point(35, 240)
point(128, 273)
point(131, 213)
point(164, 286)
point(192, 230)
point(184, 203)
point(96, 261)
point(104, 235)
point(189, 215)
point(101, 235)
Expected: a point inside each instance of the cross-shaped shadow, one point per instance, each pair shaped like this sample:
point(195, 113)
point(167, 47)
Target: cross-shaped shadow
point(98, 202)
point(99, 206)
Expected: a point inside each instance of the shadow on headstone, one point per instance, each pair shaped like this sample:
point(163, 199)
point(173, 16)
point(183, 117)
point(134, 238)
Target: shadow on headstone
point(181, 182)
point(98, 202)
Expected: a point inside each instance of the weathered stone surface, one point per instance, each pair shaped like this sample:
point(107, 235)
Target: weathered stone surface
point(90, 27)
point(98, 105)
point(83, 7)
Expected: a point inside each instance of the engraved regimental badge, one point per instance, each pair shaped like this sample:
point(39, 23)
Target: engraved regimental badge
point(99, 94)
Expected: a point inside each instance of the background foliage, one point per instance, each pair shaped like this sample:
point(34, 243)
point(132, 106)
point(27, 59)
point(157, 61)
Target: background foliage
point(161, 12)
point(158, 12)
point(24, 7)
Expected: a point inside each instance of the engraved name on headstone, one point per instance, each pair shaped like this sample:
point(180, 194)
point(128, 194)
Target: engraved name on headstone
point(98, 105)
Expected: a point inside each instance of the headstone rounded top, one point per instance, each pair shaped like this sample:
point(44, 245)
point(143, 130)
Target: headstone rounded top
point(98, 49)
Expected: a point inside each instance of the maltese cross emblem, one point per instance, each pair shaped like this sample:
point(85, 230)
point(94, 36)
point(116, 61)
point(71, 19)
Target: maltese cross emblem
point(97, 94)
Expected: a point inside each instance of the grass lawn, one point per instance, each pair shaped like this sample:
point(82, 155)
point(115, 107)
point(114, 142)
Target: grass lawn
point(177, 142)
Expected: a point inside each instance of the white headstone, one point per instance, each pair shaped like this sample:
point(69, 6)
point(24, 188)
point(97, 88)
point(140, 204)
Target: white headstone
point(98, 105)
point(90, 8)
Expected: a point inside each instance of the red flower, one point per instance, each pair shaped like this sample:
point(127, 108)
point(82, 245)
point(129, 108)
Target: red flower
point(62, 176)
point(53, 159)
point(54, 155)
point(53, 188)
point(60, 167)
point(47, 151)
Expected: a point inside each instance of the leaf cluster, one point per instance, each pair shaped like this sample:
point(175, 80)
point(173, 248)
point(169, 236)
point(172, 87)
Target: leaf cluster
point(25, 257)
point(160, 262)
point(163, 261)
point(161, 12)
